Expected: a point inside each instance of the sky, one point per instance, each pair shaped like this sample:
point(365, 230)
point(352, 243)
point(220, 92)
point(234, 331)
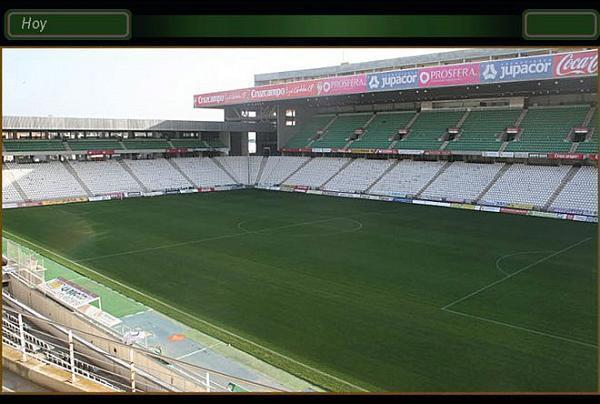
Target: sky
point(155, 83)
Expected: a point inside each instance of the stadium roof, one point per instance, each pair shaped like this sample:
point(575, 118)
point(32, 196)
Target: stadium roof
point(460, 56)
point(33, 123)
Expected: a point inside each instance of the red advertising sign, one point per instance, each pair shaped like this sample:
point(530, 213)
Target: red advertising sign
point(593, 156)
point(566, 156)
point(175, 150)
point(513, 211)
point(312, 88)
point(451, 75)
point(575, 64)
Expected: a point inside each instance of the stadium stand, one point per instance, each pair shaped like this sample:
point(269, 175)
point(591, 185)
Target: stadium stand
point(544, 129)
point(461, 182)
point(255, 164)
point(9, 192)
point(194, 143)
point(480, 129)
point(215, 143)
point(591, 145)
point(203, 171)
point(103, 177)
point(237, 166)
point(525, 185)
point(407, 178)
point(157, 174)
point(45, 180)
point(317, 171)
point(381, 129)
point(428, 128)
point(33, 145)
point(105, 144)
point(580, 195)
point(277, 169)
point(358, 175)
point(341, 129)
point(146, 144)
point(309, 129)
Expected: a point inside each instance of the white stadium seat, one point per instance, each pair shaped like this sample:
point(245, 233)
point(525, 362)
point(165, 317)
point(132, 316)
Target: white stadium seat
point(407, 178)
point(358, 176)
point(104, 177)
point(317, 171)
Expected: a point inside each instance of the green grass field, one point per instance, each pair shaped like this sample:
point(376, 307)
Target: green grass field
point(350, 294)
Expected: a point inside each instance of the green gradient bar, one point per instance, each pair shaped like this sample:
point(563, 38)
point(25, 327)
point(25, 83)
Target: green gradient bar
point(67, 24)
point(560, 24)
point(327, 26)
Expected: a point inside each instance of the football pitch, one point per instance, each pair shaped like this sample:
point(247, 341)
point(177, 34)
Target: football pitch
point(350, 294)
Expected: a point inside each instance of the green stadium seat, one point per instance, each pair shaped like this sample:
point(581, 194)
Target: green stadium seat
point(544, 129)
point(33, 145)
point(341, 129)
point(309, 129)
point(104, 144)
point(381, 128)
point(478, 132)
point(189, 143)
point(428, 128)
point(146, 144)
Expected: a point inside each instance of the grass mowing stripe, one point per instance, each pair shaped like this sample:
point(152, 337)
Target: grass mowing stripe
point(154, 302)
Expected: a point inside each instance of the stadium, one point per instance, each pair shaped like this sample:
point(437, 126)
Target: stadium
point(420, 224)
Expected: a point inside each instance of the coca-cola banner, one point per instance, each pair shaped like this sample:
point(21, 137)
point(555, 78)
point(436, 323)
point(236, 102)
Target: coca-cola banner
point(575, 64)
point(562, 65)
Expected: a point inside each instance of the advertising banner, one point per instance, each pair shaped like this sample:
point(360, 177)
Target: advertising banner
point(438, 152)
point(593, 157)
point(403, 200)
point(100, 316)
point(395, 80)
point(68, 293)
point(134, 194)
point(530, 68)
point(451, 75)
point(100, 152)
point(342, 85)
point(208, 189)
point(575, 64)
point(566, 156)
point(175, 150)
point(410, 152)
point(513, 211)
point(465, 206)
point(9, 205)
point(63, 200)
point(538, 155)
point(489, 209)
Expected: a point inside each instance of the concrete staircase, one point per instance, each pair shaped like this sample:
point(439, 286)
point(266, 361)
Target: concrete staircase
point(573, 147)
point(520, 118)
point(130, 171)
point(263, 163)
point(296, 170)
point(408, 126)
point(566, 179)
point(499, 174)
point(440, 172)
point(218, 163)
point(588, 117)
point(463, 118)
point(70, 169)
point(390, 168)
point(20, 191)
point(342, 168)
point(324, 129)
point(184, 175)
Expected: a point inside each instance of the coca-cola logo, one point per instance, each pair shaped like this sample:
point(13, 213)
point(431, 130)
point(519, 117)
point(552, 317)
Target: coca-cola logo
point(573, 64)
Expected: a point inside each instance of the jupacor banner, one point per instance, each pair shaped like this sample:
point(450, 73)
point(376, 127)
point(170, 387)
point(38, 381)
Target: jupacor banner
point(560, 65)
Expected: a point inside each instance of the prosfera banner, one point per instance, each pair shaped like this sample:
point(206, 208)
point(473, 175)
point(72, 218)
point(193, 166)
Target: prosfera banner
point(561, 65)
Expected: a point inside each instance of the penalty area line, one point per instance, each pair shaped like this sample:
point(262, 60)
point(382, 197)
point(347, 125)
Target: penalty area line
point(515, 273)
point(191, 316)
point(529, 330)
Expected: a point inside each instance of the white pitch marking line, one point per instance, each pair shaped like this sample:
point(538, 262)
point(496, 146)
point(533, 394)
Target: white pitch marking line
point(514, 255)
point(515, 273)
point(187, 355)
point(165, 246)
point(134, 291)
point(574, 341)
